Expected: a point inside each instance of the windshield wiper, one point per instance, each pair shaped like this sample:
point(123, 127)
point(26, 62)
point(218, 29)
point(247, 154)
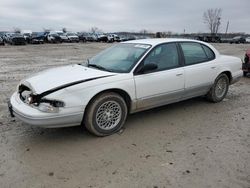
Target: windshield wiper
point(99, 67)
point(86, 64)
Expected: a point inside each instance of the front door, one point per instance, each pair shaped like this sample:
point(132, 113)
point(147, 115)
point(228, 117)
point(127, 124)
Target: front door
point(163, 85)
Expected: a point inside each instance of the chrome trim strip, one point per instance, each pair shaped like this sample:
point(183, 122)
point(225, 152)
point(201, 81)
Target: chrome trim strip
point(158, 100)
point(196, 91)
point(168, 98)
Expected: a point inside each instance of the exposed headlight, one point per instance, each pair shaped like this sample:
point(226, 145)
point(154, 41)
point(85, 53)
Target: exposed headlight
point(51, 106)
point(30, 99)
point(46, 107)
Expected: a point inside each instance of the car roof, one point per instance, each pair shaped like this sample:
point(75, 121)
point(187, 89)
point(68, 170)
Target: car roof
point(157, 41)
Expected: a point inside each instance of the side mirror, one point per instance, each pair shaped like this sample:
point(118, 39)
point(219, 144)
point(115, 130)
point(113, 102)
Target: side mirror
point(148, 68)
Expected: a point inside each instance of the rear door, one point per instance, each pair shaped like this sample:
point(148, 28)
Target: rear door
point(200, 68)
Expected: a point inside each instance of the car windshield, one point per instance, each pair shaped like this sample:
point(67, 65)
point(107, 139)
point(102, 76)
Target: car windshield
point(119, 58)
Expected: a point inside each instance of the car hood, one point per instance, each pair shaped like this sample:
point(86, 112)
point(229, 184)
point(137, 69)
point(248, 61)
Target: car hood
point(66, 75)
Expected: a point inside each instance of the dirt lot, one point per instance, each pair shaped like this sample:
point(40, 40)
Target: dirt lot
point(189, 144)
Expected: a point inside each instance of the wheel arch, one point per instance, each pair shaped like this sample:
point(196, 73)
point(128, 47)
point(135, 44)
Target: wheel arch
point(121, 92)
point(229, 75)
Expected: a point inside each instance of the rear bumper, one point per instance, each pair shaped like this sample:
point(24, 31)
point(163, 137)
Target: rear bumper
point(246, 67)
point(33, 116)
point(236, 78)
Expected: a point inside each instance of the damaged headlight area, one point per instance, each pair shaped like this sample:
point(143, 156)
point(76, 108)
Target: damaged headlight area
point(38, 101)
point(50, 106)
point(46, 105)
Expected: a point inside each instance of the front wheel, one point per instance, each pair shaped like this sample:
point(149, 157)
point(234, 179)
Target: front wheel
point(219, 90)
point(106, 114)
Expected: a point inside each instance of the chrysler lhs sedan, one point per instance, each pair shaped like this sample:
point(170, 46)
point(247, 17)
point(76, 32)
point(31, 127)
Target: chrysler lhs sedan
point(123, 79)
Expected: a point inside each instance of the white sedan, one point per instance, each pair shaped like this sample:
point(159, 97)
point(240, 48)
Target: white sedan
point(126, 78)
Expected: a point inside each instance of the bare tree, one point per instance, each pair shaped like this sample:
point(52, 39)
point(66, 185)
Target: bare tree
point(158, 35)
point(46, 30)
point(64, 30)
point(212, 18)
point(143, 31)
point(17, 30)
point(95, 30)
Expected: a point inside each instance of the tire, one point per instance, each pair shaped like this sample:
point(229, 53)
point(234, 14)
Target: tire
point(96, 118)
point(244, 74)
point(217, 94)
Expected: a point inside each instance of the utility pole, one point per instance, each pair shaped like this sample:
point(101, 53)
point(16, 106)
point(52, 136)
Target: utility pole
point(217, 25)
point(227, 27)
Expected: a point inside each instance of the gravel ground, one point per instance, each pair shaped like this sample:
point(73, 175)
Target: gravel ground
point(188, 144)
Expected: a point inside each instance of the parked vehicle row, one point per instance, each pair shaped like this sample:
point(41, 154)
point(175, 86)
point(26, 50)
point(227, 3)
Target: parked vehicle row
point(59, 37)
point(214, 39)
point(218, 39)
point(1, 41)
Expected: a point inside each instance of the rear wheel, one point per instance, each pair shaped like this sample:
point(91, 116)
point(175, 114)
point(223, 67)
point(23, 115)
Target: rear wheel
point(219, 90)
point(244, 73)
point(106, 114)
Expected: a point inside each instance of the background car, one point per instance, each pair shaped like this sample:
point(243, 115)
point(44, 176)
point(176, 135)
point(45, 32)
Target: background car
point(101, 37)
point(1, 41)
point(246, 64)
point(110, 38)
point(116, 37)
point(63, 36)
point(93, 37)
point(53, 37)
point(72, 37)
point(238, 40)
point(27, 37)
point(37, 38)
point(248, 39)
point(123, 38)
point(15, 39)
point(82, 36)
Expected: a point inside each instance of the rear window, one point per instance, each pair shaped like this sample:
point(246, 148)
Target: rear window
point(193, 53)
point(210, 54)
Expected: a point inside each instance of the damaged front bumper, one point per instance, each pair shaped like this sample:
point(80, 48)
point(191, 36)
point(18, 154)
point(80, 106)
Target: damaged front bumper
point(30, 115)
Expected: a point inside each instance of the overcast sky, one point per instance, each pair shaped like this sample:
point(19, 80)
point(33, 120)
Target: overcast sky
point(122, 15)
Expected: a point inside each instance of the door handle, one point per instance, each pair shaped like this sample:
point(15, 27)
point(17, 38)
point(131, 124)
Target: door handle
point(180, 74)
point(213, 67)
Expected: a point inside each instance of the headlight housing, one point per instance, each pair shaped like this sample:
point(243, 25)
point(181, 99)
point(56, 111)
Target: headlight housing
point(51, 106)
point(46, 105)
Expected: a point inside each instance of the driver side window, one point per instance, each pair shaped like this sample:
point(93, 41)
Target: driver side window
point(164, 56)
